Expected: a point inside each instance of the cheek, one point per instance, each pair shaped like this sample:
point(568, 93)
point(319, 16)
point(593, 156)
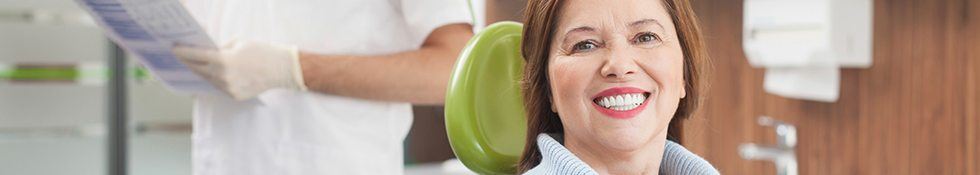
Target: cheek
point(666, 67)
point(568, 80)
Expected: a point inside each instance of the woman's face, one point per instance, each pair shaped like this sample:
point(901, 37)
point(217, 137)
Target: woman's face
point(616, 70)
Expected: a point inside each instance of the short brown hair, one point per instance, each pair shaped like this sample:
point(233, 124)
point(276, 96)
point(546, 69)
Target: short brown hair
point(540, 21)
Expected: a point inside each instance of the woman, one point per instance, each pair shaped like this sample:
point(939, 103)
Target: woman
point(603, 81)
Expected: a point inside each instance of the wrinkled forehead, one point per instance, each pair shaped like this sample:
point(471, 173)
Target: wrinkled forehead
point(606, 15)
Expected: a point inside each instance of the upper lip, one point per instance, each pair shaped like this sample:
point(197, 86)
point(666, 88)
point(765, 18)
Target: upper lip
point(618, 90)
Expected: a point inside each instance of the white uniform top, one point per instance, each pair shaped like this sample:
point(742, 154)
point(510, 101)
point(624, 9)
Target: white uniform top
point(290, 132)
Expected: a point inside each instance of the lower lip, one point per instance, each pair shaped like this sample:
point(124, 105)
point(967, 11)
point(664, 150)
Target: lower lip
point(622, 114)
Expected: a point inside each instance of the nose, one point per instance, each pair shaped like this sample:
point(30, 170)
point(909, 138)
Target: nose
point(619, 67)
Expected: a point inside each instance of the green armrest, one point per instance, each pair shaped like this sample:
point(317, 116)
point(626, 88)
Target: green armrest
point(485, 117)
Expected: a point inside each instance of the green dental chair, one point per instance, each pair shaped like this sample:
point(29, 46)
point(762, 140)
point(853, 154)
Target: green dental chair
point(485, 117)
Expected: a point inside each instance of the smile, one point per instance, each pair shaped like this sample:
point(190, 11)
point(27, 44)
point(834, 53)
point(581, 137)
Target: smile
point(621, 102)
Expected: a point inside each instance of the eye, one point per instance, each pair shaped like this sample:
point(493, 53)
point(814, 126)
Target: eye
point(585, 46)
point(646, 37)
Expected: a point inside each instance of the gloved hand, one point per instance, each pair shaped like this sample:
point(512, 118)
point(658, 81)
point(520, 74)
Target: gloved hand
point(246, 69)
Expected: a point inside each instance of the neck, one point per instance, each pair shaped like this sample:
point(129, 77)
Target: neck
point(643, 160)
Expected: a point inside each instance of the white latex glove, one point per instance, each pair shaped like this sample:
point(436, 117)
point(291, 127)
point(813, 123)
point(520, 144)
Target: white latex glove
point(246, 69)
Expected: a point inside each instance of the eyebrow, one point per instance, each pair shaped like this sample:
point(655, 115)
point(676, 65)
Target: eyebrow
point(581, 29)
point(646, 21)
point(575, 30)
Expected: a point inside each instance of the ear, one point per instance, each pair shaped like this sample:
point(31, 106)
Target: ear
point(553, 108)
point(684, 91)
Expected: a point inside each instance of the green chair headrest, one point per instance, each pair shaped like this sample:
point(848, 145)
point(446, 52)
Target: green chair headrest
point(485, 117)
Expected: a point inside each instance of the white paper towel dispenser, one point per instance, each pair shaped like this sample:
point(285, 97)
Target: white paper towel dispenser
point(802, 44)
point(790, 33)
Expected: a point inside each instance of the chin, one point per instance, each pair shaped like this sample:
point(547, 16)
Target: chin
point(632, 134)
point(626, 138)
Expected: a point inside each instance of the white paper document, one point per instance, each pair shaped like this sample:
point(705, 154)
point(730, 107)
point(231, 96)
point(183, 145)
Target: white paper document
point(149, 29)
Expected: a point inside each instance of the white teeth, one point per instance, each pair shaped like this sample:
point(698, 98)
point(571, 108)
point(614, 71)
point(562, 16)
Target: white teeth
point(622, 102)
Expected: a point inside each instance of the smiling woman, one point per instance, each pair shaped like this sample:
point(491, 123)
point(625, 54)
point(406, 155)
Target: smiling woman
point(603, 83)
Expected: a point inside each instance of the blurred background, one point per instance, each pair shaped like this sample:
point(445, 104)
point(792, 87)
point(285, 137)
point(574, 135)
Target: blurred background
point(69, 99)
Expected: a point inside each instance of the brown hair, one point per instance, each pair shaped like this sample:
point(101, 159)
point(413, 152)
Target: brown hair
point(540, 21)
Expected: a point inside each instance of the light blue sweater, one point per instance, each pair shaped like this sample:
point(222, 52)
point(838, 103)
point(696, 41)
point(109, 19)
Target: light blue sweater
point(556, 159)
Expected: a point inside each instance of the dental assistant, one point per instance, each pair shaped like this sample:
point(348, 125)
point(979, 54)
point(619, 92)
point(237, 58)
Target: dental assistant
point(318, 87)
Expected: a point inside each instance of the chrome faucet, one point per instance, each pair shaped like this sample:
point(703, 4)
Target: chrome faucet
point(782, 154)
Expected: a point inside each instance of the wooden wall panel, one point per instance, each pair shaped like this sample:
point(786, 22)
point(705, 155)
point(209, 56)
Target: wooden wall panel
point(971, 43)
point(914, 112)
point(727, 127)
